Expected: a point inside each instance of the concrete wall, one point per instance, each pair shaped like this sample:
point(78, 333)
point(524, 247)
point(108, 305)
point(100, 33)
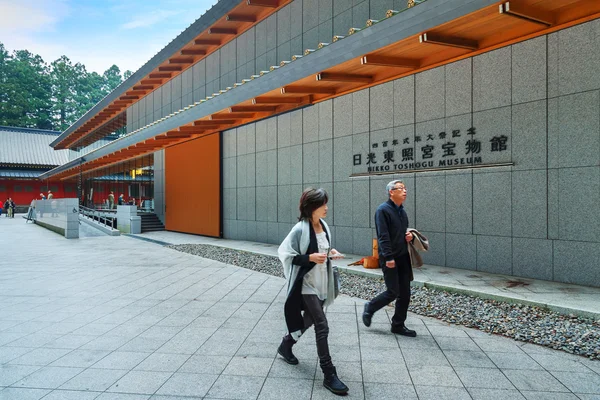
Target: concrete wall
point(537, 218)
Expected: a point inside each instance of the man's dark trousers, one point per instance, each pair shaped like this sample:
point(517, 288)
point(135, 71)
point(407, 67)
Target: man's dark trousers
point(397, 281)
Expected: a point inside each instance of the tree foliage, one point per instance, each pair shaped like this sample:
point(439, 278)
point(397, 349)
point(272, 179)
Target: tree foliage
point(34, 94)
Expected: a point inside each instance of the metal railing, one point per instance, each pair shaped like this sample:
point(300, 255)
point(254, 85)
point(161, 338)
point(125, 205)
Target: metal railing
point(98, 216)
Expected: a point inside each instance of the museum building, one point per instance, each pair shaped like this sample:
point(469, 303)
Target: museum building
point(489, 111)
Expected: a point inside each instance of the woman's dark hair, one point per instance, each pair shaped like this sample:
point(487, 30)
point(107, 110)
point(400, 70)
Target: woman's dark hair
point(310, 200)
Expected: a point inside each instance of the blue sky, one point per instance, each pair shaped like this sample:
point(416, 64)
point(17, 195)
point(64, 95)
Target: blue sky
point(97, 33)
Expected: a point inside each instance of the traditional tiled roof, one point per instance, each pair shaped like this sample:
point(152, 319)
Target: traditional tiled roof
point(29, 147)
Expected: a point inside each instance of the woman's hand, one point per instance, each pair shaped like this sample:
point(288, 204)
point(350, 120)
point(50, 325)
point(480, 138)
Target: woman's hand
point(335, 255)
point(318, 258)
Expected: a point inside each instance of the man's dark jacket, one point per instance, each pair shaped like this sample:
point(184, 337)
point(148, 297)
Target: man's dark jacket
point(391, 223)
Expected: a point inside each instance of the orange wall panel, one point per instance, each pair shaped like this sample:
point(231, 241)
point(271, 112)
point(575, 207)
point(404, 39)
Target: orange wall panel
point(193, 186)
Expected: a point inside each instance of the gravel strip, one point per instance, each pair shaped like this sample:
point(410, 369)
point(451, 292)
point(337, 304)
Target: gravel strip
point(569, 333)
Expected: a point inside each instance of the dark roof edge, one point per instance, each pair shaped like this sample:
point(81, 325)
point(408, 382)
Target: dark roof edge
point(201, 24)
point(28, 130)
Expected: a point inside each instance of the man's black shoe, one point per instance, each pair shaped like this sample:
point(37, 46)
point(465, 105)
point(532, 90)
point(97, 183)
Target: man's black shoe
point(285, 350)
point(404, 331)
point(366, 316)
point(333, 383)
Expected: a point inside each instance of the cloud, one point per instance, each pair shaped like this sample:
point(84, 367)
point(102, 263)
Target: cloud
point(149, 19)
point(31, 16)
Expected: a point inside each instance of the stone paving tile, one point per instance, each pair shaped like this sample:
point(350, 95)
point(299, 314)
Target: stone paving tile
point(442, 393)
point(142, 382)
point(236, 387)
point(579, 382)
point(434, 376)
point(41, 356)
point(10, 374)
point(377, 391)
point(48, 377)
point(488, 378)
point(22, 394)
point(249, 366)
point(534, 380)
point(495, 394)
point(80, 358)
point(71, 395)
point(477, 359)
point(185, 384)
point(532, 395)
point(513, 361)
point(284, 388)
point(121, 360)
point(97, 380)
point(122, 396)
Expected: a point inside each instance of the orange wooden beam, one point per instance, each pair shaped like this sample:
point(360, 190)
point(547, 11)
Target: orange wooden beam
point(335, 77)
point(208, 42)
point(389, 61)
point(253, 108)
point(450, 41)
point(192, 52)
point(306, 90)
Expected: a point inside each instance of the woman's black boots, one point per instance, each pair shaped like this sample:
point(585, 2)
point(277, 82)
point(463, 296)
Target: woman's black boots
point(333, 383)
point(285, 350)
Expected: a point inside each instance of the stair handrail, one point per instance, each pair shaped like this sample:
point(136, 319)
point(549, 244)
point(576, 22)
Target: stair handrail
point(97, 216)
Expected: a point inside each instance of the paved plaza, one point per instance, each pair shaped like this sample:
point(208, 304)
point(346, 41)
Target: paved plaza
point(121, 318)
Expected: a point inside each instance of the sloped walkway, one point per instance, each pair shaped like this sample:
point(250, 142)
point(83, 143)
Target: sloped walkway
point(120, 318)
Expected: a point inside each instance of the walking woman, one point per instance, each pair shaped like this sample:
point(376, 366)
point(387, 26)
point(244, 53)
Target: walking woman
point(305, 254)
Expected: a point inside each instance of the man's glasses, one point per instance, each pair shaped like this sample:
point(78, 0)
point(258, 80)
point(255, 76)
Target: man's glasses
point(399, 188)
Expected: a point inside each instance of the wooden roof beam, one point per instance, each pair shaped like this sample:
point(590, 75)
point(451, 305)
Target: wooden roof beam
point(143, 87)
point(208, 42)
point(161, 75)
point(171, 68)
point(191, 129)
point(212, 124)
point(181, 60)
point(240, 18)
point(151, 81)
point(307, 90)
point(135, 92)
point(526, 13)
point(254, 108)
point(192, 52)
point(389, 61)
point(231, 116)
point(335, 77)
point(277, 100)
point(449, 41)
point(222, 31)
point(263, 3)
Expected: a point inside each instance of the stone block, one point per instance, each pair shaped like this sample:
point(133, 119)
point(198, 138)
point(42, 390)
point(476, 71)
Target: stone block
point(342, 158)
point(340, 6)
point(343, 239)
point(552, 64)
point(271, 38)
point(492, 126)
point(325, 110)
point(296, 164)
point(578, 58)
point(529, 70)
point(272, 167)
point(377, 195)
point(262, 174)
point(199, 74)
point(283, 130)
point(229, 143)
point(533, 258)
point(166, 93)
point(437, 249)
point(261, 136)
point(199, 94)
point(325, 10)
point(430, 202)
point(529, 205)
point(553, 204)
point(284, 229)
point(230, 203)
point(230, 172)
point(251, 231)
point(241, 230)
point(360, 14)
point(362, 242)
point(427, 142)
point(241, 171)
point(461, 251)
point(459, 87)
point(361, 216)
point(273, 233)
point(579, 130)
point(529, 135)
point(378, 8)
point(325, 31)
point(577, 262)
point(284, 24)
point(430, 96)
point(325, 160)
point(260, 63)
point(272, 58)
point(283, 166)
point(404, 151)
point(295, 20)
point(382, 106)
point(310, 162)
point(284, 52)
point(553, 134)
point(494, 254)
point(578, 194)
point(296, 127)
point(343, 204)
point(262, 232)
point(271, 133)
point(283, 201)
point(360, 146)
point(491, 79)
point(342, 108)
point(272, 203)
point(261, 38)
point(492, 204)
point(251, 170)
point(310, 38)
point(310, 124)
point(241, 140)
point(342, 22)
point(310, 14)
point(296, 45)
point(294, 204)
point(241, 204)
point(228, 229)
point(360, 111)
point(251, 206)
point(251, 138)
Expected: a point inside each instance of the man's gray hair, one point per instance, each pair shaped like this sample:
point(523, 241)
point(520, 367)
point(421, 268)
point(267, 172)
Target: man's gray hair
point(391, 185)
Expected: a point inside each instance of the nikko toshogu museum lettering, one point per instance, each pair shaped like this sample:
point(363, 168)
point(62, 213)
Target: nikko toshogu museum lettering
point(441, 150)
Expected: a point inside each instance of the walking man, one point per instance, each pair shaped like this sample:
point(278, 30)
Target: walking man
point(391, 223)
point(111, 201)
